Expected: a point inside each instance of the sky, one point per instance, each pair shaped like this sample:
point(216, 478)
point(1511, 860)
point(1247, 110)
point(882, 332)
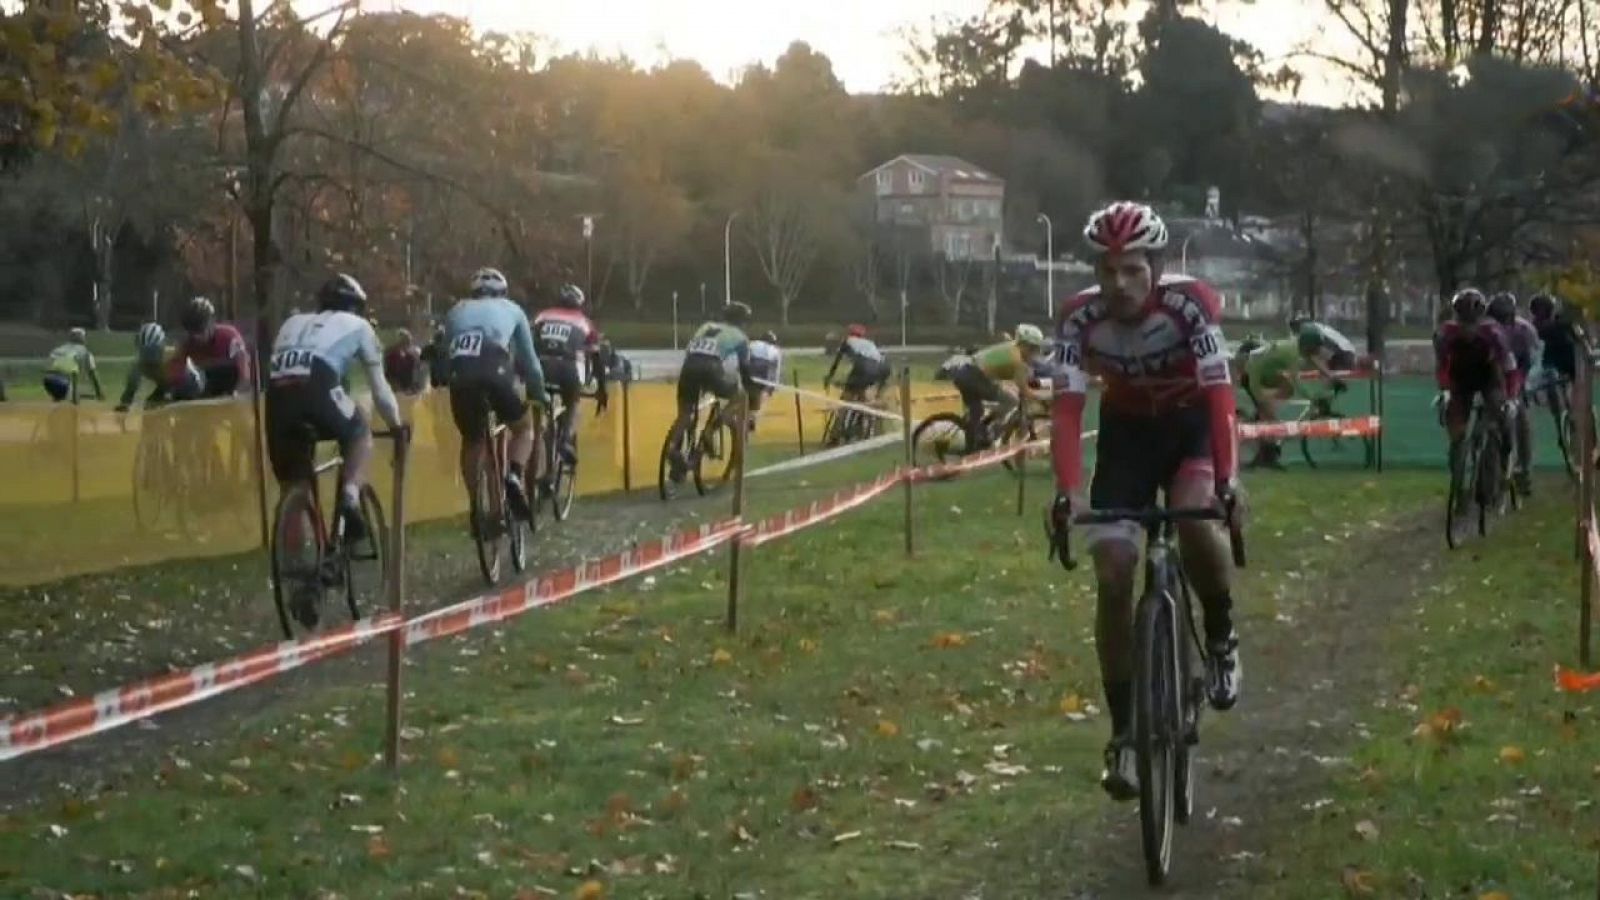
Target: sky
point(864, 38)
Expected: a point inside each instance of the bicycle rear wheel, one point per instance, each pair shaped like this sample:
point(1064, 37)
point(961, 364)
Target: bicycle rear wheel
point(1490, 490)
point(1349, 452)
point(485, 501)
point(563, 488)
point(1565, 439)
point(1156, 731)
point(297, 556)
point(940, 438)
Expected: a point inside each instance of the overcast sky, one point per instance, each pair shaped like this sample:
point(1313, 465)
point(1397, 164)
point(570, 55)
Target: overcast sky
point(864, 38)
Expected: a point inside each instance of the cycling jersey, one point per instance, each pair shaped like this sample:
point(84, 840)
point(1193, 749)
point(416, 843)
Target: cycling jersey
point(1560, 351)
point(724, 342)
point(1004, 362)
point(222, 357)
point(766, 361)
point(1267, 367)
point(1171, 357)
point(476, 324)
point(159, 365)
point(562, 333)
point(1467, 356)
point(70, 359)
point(1524, 340)
point(1315, 337)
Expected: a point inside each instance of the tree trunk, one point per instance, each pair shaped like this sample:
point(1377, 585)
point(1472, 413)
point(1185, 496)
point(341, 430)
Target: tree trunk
point(1488, 24)
point(104, 247)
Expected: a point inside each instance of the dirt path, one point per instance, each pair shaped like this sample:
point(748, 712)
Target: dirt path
point(1311, 673)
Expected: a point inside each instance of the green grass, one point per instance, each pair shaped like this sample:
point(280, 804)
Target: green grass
point(626, 739)
point(1478, 777)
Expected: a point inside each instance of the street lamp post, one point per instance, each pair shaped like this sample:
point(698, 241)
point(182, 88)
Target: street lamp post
point(1183, 254)
point(588, 252)
point(727, 258)
point(1050, 266)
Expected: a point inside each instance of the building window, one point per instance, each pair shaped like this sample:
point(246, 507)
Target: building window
point(916, 179)
point(885, 181)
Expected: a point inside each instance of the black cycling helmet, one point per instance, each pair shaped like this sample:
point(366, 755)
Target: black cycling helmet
point(1503, 307)
point(736, 313)
point(342, 293)
point(1469, 304)
point(197, 316)
point(1543, 306)
point(1298, 319)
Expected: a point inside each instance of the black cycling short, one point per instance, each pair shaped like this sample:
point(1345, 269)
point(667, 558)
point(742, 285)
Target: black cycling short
point(479, 384)
point(561, 376)
point(57, 385)
point(703, 374)
point(1342, 361)
point(221, 379)
point(867, 374)
point(1138, 456)
point(975, 387)
point(304, 410)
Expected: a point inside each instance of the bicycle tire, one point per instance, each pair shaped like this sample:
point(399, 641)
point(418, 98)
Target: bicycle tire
point(288, 577)
point(370, 557)
point(665, 485)
point(483, 523)
point(517, 533)
point(1191, 672)
point(1564, 440)
point(1489, 488)
point(1314, 414)
point(149, 500)
point(563, 490)
point(1461, 492)
point(718, 443)
point(1020, 428)
point(1155, 696)
point(940, 438)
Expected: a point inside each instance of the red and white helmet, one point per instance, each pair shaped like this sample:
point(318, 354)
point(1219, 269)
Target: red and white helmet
point(1125, 226)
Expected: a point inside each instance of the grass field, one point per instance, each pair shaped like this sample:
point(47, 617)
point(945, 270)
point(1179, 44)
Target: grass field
point(881, 727)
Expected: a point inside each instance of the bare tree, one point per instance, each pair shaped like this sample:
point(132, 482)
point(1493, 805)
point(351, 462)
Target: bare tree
point(868, 274)
point(786, 242)
point(954, 277)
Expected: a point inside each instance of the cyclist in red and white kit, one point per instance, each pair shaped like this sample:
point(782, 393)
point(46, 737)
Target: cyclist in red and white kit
point(1474, 356)
point(217, 349)
point(1167, 423)
point(567, 343)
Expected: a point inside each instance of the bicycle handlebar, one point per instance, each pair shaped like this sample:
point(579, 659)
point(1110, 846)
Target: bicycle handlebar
point(1061, 541)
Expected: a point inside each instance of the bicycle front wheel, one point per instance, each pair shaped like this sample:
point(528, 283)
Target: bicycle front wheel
point(297, 551)
point(718, 447)
point(939, 439)
point(1462, 466)
point(366, 561)
point(666, 484)
point(1156, 731)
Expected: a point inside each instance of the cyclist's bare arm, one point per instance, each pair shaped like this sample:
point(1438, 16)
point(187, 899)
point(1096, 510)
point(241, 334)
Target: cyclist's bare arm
point(383, 399)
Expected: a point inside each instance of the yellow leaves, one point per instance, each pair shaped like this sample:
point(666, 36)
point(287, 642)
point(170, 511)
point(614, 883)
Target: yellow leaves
point(1357, 882)
point(447, 758)
point(1441, 726)
point(1071, 705)
point(104, 76)
point(1367, 830)
point(888, 729)
point(1511, 755)
point(807, 645)
point(673, 803)
point(683, 766)
point(803, 799)
point(947, 640)
point(1482, 685)
point(378, 848)
point(885, 616)
point(590, 890)
point(1494, 895)
point(721, 657)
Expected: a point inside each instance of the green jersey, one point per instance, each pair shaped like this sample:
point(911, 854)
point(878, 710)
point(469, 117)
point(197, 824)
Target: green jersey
point(1271, 365)
point(727, 343)
point(71, 359)
point(1315, 337)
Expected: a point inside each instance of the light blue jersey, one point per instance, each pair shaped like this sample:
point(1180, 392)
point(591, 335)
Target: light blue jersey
point(336, 338)
point(502, 323)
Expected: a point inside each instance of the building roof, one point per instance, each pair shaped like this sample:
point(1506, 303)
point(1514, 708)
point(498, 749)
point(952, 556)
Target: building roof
point(942, 165)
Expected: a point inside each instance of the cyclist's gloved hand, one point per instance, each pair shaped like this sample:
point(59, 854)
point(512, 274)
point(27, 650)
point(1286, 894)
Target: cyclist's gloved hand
point(1441, 399)
point(1061, 512)
point(601, 400)
point(1230, 497)
point(1339, 386)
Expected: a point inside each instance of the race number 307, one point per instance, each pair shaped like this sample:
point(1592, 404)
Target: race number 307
point(469, 344)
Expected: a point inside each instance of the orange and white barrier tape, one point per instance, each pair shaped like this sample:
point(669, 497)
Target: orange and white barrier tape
point(1576, 682)
point(975, 461)
point(1363, 426)
point(819, 511)
point(547, 590)
point(118, 706)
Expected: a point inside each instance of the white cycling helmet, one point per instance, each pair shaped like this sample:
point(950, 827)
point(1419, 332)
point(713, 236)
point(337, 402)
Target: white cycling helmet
point(151, 335)
point(570, 296)
point(1125, 226)
point(489, 283)
point(1030, 335)
point(77, 335)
